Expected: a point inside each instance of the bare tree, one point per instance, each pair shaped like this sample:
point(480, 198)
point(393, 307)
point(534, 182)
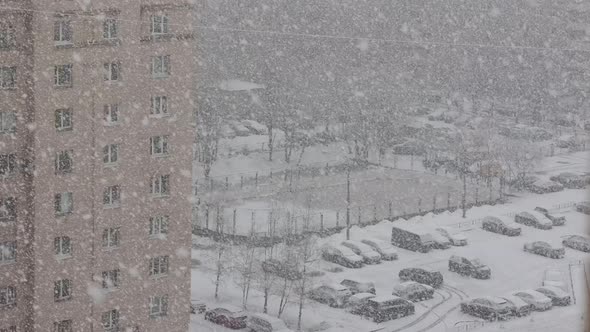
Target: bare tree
point(208, 131)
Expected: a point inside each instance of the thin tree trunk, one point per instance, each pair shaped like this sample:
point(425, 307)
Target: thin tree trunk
point(218, 278)
point(270, 143)
point(301, 298)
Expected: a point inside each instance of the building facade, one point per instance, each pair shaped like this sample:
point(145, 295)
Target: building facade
point(96, 134)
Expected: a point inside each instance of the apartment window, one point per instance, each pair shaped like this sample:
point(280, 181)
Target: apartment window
point(159, 24)
point(110, 279)
point(62, 246)
point(7, 77)
point(159, 106)
point(159, 145)
point(62, 290)
point(7, 122)
point(8, 209)
point(110, 29)
point(7, 296)
point(158, 306)
point(63, 326)
point(63, 75)
point(112, 196)
point(63, 161)
point(7, 37)
point(9, 329)
point(160, 185)
point(7, 164)
point(112, 71)
point(7, 252)
point(62, 32)
point(63, 120)
point(64, 203)
point(111, 114)
point(158, 226)
point(110, 320)
point(159, 265)
point(161, 66)
point(111, 237)
point(110, 154)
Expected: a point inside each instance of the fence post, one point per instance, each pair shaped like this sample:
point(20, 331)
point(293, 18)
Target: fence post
point(359, 220)
point(286, 174)
point(234, 222)
point(434, 203)
point(412, 161)
point(211, 184)
point(337, 219)
point(321, 222)
point(420, 205)
point(390, 211)
point(271, 173)
point(218, 224)
point(241, 181)
point(448, 201)
point(226, 183)
point(374, 212)
point(256, 179)
point(476, 196)
point(207, 217)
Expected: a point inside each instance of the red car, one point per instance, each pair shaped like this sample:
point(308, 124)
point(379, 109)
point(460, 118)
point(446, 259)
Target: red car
point(228, 316)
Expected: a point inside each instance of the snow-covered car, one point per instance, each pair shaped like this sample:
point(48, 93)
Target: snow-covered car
point(577, 242)
point(455, 237)
point(534, 219)
point(583, 207)
point(557, 295)
point(501, 225)
point(239, 128)
point(369, 255)
point(341, 255)
point(227, 315)
point(569, 180)
point(384, 248)
point(555, 278)
point(555, 220)
point(413, 291)
point(198, 307)
point(440, 241)
point(544, 249)
point(265, 323)
point(255, 127)
point(356, 302)
point(539, 301)
point(334, 295)
point(471, 267)
point(519, 307)
point(356, 286)
point(421, 275)
point(388, 307)
point(489, 308)
point(545, 186)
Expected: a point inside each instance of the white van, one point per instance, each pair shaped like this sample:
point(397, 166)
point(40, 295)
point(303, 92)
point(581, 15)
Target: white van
point(266, 323)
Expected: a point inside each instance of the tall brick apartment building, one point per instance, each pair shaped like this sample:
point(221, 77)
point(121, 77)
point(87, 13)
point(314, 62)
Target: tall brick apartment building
point(95, 165)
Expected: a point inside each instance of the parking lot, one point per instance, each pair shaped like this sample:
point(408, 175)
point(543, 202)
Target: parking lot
point(512, 269)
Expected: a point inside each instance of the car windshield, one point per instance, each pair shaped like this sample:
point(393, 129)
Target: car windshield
point(476, 262)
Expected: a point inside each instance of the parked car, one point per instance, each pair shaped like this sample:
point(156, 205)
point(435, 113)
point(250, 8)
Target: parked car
point(489, 308)
point(555, 278)
point(229, 316)
point(519, 307)
point(266, 323)
point(471, 267)
point(577, 242)
point(282, 269)
point(583, 207)
point(422, 275)
point(440, 242)
point(334, 295)
point(557, 295)
point(239, 128)
point(545, 186)
point(198, 307)
point(500, 226)
point(369, 255)
point(357, 301)
point(356, 287)
point(255, 127)
point(544, 249)
point(342, 255)
point(413, 291)
point(533, 218)
point(456, 238)
point(384, 248)
point(555, 220)
point(569, 180)
point(384, 308)
point(539, 301)
point(412, 239)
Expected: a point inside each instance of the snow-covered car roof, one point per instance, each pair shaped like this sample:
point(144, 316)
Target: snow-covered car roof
point(555, 290)
point(361, 246)
point(362, 296)
point(535, 214)
point(335, 286)
point(494, 299)
point(229, 307)
point(517, 301)
point(385, 298)
point(536, 295)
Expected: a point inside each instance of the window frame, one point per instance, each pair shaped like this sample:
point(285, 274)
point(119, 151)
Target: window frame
point(59, 246)
point(159, 266)
point(161, 304)
point(113, 320)
point(8, 121)
point(159, 145)
point(68, 72)
point(108, 111)
point(111, 197)
point(63, 115)
point(62, 290)
point(58, 201)
point(159, 106)
point(7, 37)
point(163, 63)
point(8, 206)
point(161, 22)
point(112, 276)
point(8, 296)
point(11, 73)
point(112, 71)
point(110, 154)
point(59, 168)
point(111, 237)
point(110, 28)
point(158, 227)
point(8, 255)
point(8, 164)
point(160, 185)
point(63, 326)
point(63, 34)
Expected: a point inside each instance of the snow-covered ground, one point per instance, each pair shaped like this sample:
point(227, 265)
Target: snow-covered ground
point(512, 269)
